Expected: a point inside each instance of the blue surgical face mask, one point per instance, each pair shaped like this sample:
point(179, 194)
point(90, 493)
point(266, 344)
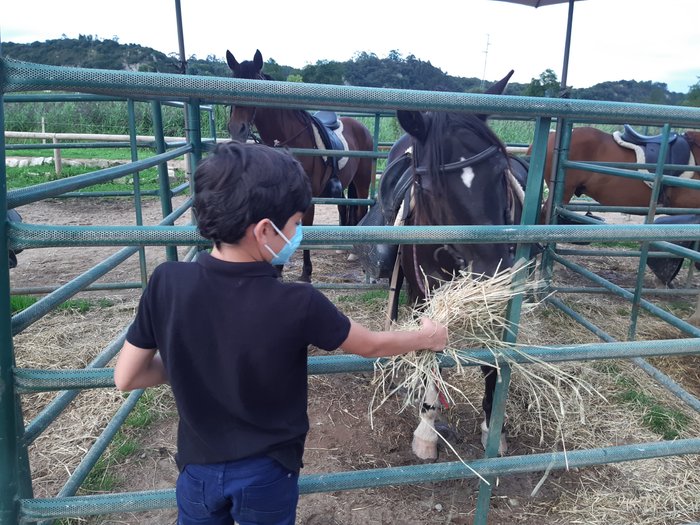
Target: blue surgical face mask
point(288, 249)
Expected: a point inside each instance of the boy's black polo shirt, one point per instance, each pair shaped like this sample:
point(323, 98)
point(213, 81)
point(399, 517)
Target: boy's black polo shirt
point(233, 339)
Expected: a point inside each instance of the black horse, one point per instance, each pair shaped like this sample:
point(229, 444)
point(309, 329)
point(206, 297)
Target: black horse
point(456, 172)
point(13, 216)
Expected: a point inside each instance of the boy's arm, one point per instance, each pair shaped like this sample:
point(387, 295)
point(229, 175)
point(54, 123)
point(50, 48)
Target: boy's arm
point(367, 343)
point(138, 368)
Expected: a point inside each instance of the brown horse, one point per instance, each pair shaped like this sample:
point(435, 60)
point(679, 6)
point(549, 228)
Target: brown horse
point(295, 128)
point(591, 144)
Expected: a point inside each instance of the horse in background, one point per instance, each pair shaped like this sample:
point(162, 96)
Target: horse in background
point(593, 145)
point(294, 128)
point(590, 144)
point(13, 216)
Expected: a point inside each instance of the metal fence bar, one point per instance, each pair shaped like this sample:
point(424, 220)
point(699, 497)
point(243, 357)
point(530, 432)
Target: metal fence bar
point(45, 190)
point(24, 235)
point(23, 76)
point(39, 380)
point(56, 508)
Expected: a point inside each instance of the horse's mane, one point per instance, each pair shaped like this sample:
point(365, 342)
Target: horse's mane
point(432, 209)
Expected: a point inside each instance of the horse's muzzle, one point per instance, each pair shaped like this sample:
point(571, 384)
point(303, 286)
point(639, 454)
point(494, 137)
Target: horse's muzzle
point(239, 131)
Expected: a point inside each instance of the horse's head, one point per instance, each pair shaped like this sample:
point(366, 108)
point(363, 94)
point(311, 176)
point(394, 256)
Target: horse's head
point(693, 138)
point(459, 178)
point(241, 118)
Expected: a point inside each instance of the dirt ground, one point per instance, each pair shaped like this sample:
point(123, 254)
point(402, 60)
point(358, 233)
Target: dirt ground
point(341, 437)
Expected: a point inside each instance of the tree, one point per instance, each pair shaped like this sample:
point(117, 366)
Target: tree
point(324, 72)
point(693, 97)
point(547, 85)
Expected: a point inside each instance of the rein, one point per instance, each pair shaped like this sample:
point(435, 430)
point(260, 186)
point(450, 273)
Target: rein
point(279, 144)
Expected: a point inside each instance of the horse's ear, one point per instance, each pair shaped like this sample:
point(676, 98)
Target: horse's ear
point(257, 60)
point(414, 123)
point(499, 87)
point(231, 61)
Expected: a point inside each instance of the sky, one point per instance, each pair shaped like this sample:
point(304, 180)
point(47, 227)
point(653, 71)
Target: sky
point(611, 39)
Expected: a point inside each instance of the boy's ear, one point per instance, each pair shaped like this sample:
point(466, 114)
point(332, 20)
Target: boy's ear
point(261, 229)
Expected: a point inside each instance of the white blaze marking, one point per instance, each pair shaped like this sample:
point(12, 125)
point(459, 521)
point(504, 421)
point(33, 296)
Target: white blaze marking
point(467, 175)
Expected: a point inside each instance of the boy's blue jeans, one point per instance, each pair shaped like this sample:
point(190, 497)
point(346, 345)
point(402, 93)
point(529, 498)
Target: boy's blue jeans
point(252, 491)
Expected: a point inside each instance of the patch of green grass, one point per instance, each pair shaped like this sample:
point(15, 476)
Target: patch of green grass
point(20, 302)
point(122, 447)
point(680, 307)
point(142, 415)
point(31, 175)
point(104, 303)
point(76, 305)
point(665, 421)
point(83, 153)
point(372, 297)
point(607, 367)
point(630, 245)
point(99, 479)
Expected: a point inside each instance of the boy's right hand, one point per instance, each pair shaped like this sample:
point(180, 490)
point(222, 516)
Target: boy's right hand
point(435, 334)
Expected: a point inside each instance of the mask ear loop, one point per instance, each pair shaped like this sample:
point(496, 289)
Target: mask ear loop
point(267, 246)
point(279, 231)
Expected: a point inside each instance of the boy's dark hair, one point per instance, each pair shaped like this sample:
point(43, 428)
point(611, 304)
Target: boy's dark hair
point(240, 184)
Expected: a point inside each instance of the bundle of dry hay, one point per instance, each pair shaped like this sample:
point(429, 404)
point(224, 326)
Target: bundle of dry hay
point(474, 310)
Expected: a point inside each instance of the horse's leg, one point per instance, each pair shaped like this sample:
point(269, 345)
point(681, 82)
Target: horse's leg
point(490, 379)
point(695, 318)
point(306, 268)
point(351, 216)
point(425, 436)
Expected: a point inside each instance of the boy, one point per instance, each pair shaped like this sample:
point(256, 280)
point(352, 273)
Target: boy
point(231, 339)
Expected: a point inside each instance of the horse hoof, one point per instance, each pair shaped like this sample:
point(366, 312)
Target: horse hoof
point(694, 320)
point(502, 446)
point(425, 440)
point(339, 252)
point(352, 257)
point(424, 449)
point(303, 278)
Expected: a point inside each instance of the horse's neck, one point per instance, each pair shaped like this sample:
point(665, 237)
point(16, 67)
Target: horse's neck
point(280, 126)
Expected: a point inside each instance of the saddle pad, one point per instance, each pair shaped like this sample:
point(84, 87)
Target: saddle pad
point(342, 161)
point(641, 157)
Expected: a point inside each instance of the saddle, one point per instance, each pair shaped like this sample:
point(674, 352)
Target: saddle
point(678, 148)
point(328, 119)
point(325, 123)
point(666, 268)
